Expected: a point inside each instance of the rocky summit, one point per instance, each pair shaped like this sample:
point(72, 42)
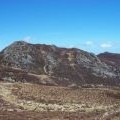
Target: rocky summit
point(51, 65)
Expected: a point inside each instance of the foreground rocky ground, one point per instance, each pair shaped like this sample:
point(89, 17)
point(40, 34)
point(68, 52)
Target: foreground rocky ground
point(27, 101)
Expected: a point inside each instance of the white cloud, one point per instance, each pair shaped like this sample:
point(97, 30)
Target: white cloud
point(27, 39)
point(106, 45)
point(89, 43)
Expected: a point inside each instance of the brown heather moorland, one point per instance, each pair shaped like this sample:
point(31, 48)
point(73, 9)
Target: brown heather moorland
point(25, 101)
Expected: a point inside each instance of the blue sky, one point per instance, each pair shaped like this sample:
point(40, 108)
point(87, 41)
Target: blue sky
point(92, 25)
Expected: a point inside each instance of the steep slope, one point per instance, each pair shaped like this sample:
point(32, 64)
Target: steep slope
point(62, 66)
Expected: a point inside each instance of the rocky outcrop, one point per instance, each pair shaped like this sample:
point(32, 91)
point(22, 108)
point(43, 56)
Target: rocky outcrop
point(64, 66)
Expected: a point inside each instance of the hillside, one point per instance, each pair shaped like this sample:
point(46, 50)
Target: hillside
point(110, 58)
point(51, 65)
point(45, 82)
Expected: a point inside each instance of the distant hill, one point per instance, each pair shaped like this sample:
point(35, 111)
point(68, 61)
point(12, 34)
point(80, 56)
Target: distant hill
point(110, 58)
point(51, 65)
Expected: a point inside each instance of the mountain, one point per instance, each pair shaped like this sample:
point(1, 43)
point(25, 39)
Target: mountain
point(51, 65)
point(110, 58)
